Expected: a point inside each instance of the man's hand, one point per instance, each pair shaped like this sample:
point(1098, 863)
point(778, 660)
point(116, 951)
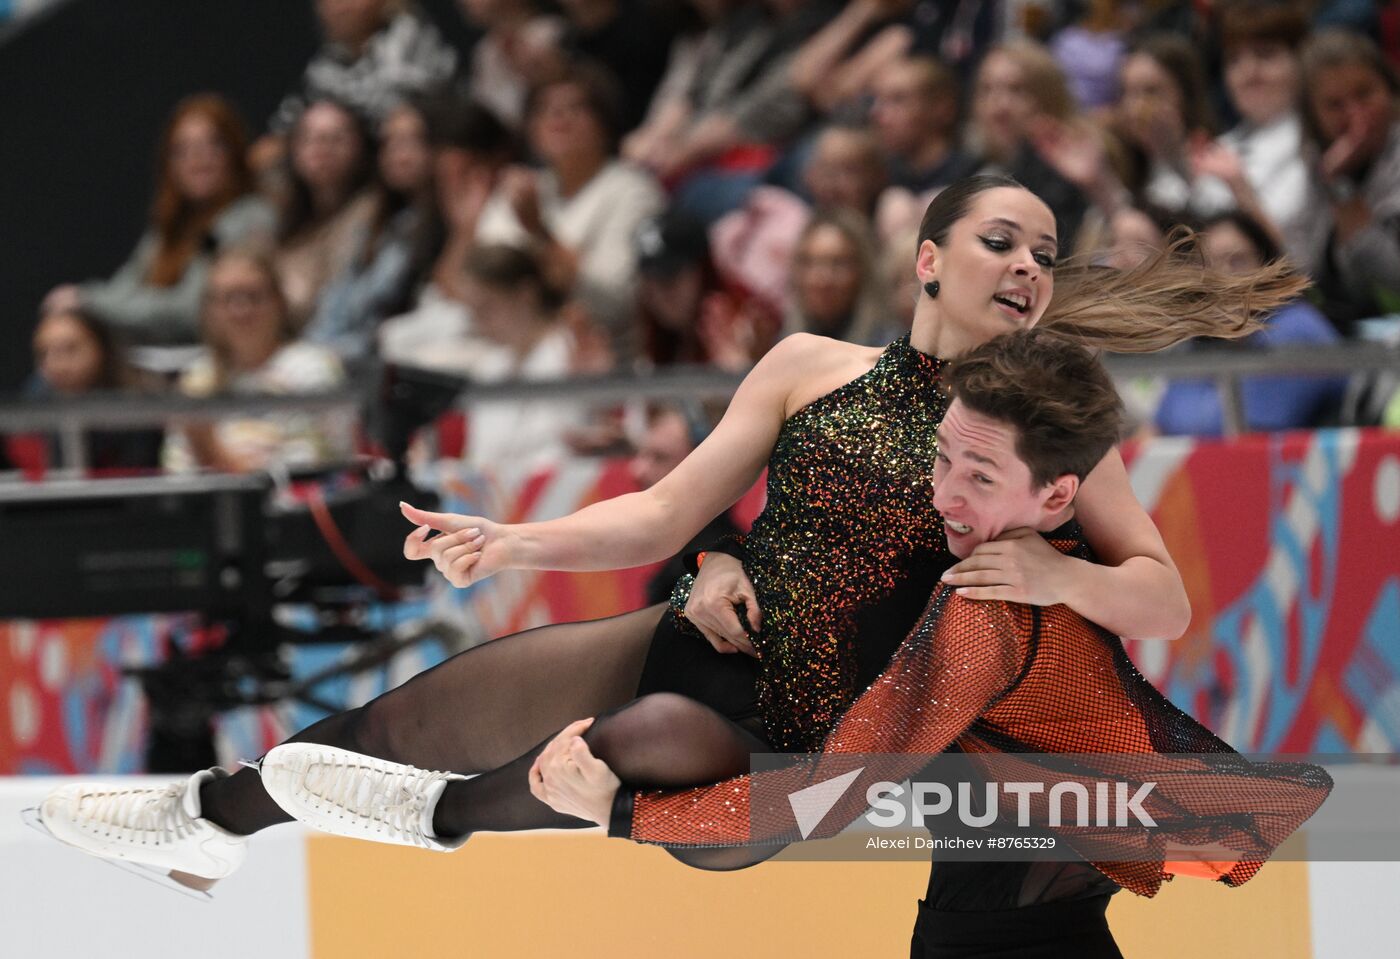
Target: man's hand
point(720, 585)
point(569, 779)
point(469, 550)
point(1019, 567)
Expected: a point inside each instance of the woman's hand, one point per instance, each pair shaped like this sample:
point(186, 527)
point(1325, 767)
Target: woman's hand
point(61, 299)
point(1018, 567)
point(469, 550)
point(521, 187)
point(720, 585)
point(569, 779)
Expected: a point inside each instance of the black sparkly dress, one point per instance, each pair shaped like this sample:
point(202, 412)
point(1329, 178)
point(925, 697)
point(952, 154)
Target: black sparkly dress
point(848, 537)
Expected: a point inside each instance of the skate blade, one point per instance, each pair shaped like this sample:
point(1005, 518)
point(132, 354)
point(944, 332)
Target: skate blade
point(191, 887)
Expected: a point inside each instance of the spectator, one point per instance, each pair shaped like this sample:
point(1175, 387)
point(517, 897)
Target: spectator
point(837, 287)
point(914, 117)
point(672, 432)
point(375, 53)
point(76, 354)
point(202, 205)
point(513, 55)
point(581, 211)
point(1020, 86)
point(1235, 243)
point(687, 313)
point(394, 250)
point(325, 206)
point(1354, 239)
point(1163, 108)
point(1090, 52)
point(250, 349)
point(754, 244)
point(471, 148)
point(521, 336)
point(1259, 166)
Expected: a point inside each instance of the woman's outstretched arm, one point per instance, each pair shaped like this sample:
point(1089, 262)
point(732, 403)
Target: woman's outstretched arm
point(636, 528)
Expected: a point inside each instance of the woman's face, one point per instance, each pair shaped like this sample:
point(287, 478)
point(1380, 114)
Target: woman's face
point(673, 298)
point(498, 314)
point(995, 269)
point(563, 126)
point(1002, 106)
point(199, 159)
point(844, 172)
point(1262, 78)
point(1229, 250)
point(826, 272)
point(405, 159)
point(242, 312)
point(1135, 238)
point(1353, 98)
point(67, 355)
point(1152, 105)
point(326, 147)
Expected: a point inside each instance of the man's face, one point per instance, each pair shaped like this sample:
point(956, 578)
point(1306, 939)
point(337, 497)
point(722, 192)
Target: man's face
point(666, 443)
point(981, 486)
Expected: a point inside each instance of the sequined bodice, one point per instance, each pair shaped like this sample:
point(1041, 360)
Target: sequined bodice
point(850, 508)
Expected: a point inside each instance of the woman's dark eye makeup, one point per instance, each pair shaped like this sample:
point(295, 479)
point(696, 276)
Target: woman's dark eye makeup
point(1001, 244)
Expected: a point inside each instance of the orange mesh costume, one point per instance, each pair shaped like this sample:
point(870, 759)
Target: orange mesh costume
point(1000, 679)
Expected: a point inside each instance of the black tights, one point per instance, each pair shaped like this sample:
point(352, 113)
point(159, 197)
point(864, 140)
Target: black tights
point(491, 709)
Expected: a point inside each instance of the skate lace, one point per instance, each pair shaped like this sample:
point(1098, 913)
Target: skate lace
point(150, 815)
point(392, 800)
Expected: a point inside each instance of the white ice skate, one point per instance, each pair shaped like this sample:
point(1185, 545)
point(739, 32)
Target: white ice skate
point(156, 833)
point(347, 794)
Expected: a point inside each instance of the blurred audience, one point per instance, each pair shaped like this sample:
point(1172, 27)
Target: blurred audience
point(581, 210)
point(838, 289)
point(325, 204)
point(515, 52)
point(250, 349)
point(394, 250)
point(203, 204)
point(1235, 243)
point(75, 354)
point(671, 433)
point(1354, 239)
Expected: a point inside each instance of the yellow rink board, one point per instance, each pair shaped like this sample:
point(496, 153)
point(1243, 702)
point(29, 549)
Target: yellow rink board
point(581, 895)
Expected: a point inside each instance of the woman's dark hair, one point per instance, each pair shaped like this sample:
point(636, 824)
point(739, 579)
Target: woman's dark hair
point(182, 227)
point(461, 123)
point(1176, 55)
point(510, 268)
point(1253, 231)
point(601, 92)
point(114, 373)
point(1262, 21)
point(952, 204)
point(298, 212)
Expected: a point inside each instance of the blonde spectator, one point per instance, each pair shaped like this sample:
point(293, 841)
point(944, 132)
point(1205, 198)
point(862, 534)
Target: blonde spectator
point(325, 204)
point(837, 287)
point(203, 204)
point(250, 350)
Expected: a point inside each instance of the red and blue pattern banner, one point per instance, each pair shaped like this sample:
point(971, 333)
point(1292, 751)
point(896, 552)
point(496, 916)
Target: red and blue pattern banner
point(1289, 546)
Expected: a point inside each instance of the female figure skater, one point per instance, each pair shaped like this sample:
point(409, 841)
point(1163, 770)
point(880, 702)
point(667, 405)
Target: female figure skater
point(848, 525)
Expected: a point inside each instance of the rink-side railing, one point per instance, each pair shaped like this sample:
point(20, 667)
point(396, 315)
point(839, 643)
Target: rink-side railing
point(69, 419)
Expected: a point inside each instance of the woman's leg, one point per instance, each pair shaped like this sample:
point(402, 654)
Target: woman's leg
point(663, 740)
point(475, 712)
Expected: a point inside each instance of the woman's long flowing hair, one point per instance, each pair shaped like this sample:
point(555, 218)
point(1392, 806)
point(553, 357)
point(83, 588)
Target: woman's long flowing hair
point(1170, 297)
point(181, 226)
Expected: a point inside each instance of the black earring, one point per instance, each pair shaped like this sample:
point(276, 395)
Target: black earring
point(931, 288)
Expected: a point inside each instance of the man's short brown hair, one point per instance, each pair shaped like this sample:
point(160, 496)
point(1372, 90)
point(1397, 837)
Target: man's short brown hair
point(1262, 21)
point(1059, 398)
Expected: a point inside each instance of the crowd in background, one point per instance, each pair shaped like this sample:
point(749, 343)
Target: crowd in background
point(626, 185)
